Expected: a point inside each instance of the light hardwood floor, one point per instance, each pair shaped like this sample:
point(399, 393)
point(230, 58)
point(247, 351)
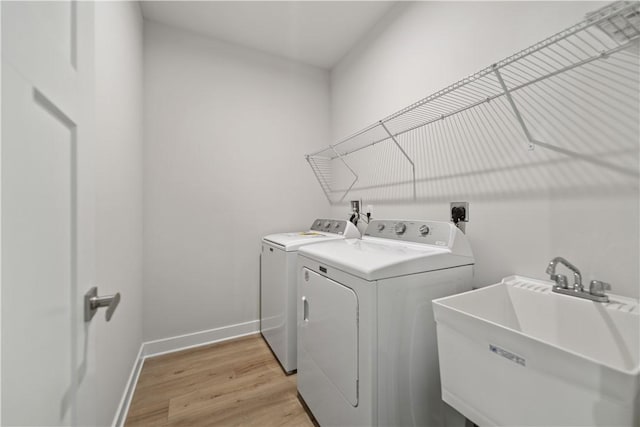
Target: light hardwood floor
point(234, 383)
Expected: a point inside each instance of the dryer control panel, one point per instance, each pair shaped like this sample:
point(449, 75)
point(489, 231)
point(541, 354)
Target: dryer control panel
point(428, 232)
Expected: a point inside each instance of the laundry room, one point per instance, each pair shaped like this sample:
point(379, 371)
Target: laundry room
point(329, 213)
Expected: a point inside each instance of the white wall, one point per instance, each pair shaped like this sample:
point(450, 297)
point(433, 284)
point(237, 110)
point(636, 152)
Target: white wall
point(119, 60)
point(226, 129)
point(520, 219)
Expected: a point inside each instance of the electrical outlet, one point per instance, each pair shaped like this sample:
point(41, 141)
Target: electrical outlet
point(355, 206)
point(459, 211)
point(459, 214)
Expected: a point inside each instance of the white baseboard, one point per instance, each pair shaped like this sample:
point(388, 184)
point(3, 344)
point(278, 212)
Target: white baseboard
point(195, 339)
point(177, 343)
point(123, 407)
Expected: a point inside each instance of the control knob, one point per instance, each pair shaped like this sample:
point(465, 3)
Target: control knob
point(327, 224)
point(400, 228)
point(423, 230)
point(380, 227)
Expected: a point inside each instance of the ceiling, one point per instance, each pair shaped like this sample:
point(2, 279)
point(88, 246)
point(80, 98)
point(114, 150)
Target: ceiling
point(318, 33)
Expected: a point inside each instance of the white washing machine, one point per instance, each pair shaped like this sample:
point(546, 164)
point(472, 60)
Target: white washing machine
point(366, 336)
point(278, 283)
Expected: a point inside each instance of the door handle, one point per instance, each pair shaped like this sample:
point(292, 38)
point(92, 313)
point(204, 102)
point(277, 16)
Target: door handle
point(92, 302)
point(305, 309)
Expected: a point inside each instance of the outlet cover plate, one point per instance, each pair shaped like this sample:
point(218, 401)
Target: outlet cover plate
point(464, 205)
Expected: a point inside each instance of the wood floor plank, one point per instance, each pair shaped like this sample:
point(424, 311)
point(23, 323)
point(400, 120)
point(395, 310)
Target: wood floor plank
point(149, 414)
point(216, 372)
point(235, 383)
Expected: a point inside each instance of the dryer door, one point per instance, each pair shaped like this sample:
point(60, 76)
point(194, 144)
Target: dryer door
point(329, 331)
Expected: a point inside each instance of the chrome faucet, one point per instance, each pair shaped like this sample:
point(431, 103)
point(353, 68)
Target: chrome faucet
point(596, 289)
point(561, 279)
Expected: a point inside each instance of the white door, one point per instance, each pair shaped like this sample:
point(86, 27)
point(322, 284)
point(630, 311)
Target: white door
point(47, 213)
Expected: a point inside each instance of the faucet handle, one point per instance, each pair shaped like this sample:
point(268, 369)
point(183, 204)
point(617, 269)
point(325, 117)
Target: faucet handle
point(598, 288)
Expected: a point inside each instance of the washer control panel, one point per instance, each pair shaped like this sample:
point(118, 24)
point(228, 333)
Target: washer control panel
point(428, 232)
point(336, 226)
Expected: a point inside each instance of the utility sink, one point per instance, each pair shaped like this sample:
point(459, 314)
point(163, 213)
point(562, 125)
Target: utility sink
point(517, 354)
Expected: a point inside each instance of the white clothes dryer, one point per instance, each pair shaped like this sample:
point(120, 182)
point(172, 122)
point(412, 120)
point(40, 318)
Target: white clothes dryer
point(367, 350)
point(278, 283)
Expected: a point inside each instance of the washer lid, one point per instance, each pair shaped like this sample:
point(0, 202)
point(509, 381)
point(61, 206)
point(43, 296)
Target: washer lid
point(375, 258)
point(293, 241)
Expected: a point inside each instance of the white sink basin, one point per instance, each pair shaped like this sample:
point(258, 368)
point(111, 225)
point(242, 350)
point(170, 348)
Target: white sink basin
point(516, 353)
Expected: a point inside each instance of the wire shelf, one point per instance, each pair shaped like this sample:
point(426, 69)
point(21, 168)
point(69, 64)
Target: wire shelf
point(597, 54)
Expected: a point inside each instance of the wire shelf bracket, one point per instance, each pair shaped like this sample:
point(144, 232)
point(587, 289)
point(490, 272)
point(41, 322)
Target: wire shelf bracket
point(514, 107)
point(404, 153)
point(323, 173)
